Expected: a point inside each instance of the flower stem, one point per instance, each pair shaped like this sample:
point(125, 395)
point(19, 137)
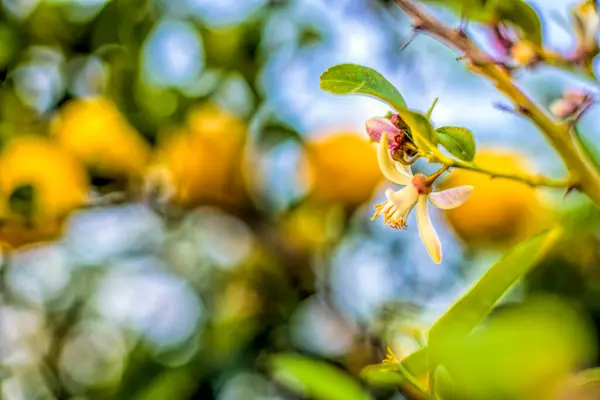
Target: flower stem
point(431, 178)
point(421, 391)
point(584, 175)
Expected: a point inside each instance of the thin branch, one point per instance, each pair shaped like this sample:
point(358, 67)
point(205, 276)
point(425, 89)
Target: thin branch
point(531, 180)
point(583, 172)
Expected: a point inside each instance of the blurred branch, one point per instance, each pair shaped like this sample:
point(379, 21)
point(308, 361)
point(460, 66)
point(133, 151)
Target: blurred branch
point(583, 68)
point(584, 174)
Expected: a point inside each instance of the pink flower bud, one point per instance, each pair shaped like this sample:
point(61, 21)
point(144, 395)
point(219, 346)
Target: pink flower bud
point(378, 125)
point(562, 108)
point(576, 97)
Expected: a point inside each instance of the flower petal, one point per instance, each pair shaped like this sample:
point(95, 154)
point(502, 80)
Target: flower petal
point(404, 199)
point(386, 164)
point(404, 169)
point(427, 232)
point(451, 198)
point(378, 125)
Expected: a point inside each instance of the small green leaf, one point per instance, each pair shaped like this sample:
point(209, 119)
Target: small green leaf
point(444, 386)
point(458, 141)
point(521, 15)
point(417, 363)
point(422, 131)
point(356, 79)
point(384, 375)
point(430, 111)
point(315, 379)
point(479, 301)
point(469, 9)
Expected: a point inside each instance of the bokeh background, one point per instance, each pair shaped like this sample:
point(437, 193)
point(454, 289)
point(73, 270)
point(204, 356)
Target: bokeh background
point(231, 198)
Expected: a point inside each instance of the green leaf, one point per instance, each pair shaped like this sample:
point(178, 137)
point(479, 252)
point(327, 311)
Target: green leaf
point(421, 130)
point(444, 386)
point(521, 15)
point(430, 111)
point(384, 375)
point(315, 379)
point(417, 363)
point(458, 141)
point(470, 9)
point(356, 79)
point(515, 12)
point(479, 301)
point(521, 349)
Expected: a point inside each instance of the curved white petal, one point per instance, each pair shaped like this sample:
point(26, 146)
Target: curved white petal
point(404, 199)
point(427, 232)
point(451, 198)
point(404, 169)
point(386, 164)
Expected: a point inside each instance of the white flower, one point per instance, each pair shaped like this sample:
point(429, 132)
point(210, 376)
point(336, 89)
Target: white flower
point(587, 24)
point(417, 190)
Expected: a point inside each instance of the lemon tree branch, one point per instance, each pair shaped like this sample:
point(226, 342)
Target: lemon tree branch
point(584, 175)
point(531, 180)
point(584, 68)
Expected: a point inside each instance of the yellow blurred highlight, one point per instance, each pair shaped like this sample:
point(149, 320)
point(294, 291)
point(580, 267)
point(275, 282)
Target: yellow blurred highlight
point(499, 211)
point(98, 134)
point(59, 182)
point(311, 226)
point(341, 168)
point(202, 162)
point(524, 53)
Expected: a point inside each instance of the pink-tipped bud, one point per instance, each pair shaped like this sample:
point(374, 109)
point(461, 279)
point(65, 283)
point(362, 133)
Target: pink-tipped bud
point(576, 97)
point(563, 108)
point(377, 126)
point(569, 103)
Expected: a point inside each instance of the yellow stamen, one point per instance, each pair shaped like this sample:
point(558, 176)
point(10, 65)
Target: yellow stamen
point(391, 215)
point(390, 357)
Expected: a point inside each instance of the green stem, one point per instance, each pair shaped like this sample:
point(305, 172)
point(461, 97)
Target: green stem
point(422, 390)
point(584, 175)
point(531, 180)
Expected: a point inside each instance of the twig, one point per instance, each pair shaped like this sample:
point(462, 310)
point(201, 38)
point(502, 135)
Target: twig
point(531, 180)
point(583, 173)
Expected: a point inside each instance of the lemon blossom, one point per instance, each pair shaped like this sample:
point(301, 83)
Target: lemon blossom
point(417, 190)
point(587, 24)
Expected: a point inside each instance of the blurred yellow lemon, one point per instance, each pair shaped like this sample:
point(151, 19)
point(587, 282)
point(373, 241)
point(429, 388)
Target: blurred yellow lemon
point(312, 225)
point(97, 133)
point(499, 211)
point(341, 168)
point(202, 162)
point(40, 184)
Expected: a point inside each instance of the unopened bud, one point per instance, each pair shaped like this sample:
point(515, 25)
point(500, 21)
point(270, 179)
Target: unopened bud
point(562, 108)
point(398, 122)
point(569, 103)
point(577, 97)
point(378, 125)
point(524, 53)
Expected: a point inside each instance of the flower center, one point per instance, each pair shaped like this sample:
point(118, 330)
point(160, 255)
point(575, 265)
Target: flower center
point(420, 183)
